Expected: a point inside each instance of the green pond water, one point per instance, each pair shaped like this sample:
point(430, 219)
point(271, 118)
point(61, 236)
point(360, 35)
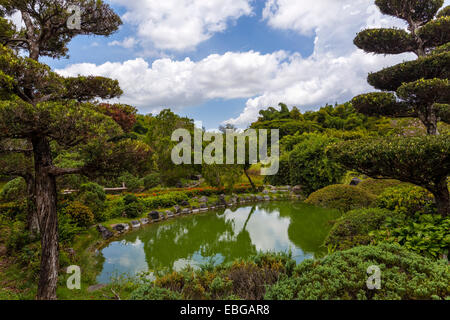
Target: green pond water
point(219, 237)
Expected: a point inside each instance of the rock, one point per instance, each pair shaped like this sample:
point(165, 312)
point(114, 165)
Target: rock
point(96, 287)
point(266, 198)
point(154, 216)
point(121, 227)
point(222, 200)
point(145, 221)
point(105, 233)
point(203, 207)
point(177, 209)
point(135, 224)
point(259, 198)
point(203, 199)
point(297, 190)
point(184, 203)
point(195, 210)
point(185, 211)
point(265, 192)
point(355, 181)
point(169, 214)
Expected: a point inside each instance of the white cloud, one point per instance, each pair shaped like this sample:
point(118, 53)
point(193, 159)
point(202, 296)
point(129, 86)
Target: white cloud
point(335, 72)
point(127, 43)
point(181, 24)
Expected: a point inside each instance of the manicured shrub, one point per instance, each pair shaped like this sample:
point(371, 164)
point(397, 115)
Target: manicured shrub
point(311, 167)
point(151, 181)
point(378, 186)
point(353, 228)
point(80, 214)
point(407, 200)
point(343, 275)
point(129, 199)
point(341, 197)
point(165, 200)
point(93, 196)
point(14, 190)
point(134, 210)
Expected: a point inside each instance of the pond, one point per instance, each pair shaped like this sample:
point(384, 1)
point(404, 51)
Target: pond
point(220, 237)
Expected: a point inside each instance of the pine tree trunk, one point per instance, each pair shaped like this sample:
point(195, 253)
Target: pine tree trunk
point(442, 198)
point(46, 199)
point(32, 214)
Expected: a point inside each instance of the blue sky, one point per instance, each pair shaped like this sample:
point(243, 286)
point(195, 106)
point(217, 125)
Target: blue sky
point(224, 60)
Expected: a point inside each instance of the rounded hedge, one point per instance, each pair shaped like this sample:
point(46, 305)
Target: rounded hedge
point(80, 214)
point(352, 229)
point(341, 197)
point(343, 276)
point(14, 190)
point(407, 200)
point(378, 186)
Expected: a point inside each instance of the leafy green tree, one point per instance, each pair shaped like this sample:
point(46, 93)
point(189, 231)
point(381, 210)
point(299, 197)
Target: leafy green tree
point(418, 88)
point(37, 107)
point(46, 31)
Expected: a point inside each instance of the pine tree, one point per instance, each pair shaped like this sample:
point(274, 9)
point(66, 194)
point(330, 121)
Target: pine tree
point(418, 88)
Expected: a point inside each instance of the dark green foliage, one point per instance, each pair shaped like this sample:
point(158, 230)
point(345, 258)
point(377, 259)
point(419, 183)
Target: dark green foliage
point(134, 210)
point(421, 92)
point(429, 67)
point(151, 180)
point(343, 276)
point(443, 112)
point(148, 291)
point(129, 199)
point(424, 161)
point(436, 32)
point(388, 41)
point(13, 210)
point(93, 196)
point(426, 234)
point(311, 167)
point(132, 182)
point(378, 186)
point(165, 200)
point(341, 197)
point(382, 103)
point(420, 11)
point(80, 214)
point(407, 200)
point(282, 178)
point(67, 228)
point(353, 228)
point(14, 190)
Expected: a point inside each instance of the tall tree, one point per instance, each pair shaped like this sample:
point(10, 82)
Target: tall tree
point(418, 88)
point(38, 107)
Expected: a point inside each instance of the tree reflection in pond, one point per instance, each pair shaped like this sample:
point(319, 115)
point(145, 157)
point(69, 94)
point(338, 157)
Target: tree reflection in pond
point(220, 236)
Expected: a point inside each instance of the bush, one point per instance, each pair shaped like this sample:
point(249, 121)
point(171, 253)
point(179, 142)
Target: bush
point(14, 190)
point(131, 182)
point(353, 228)
point(80, 214)
point(378, 186)
point(343, 275)
point(310, 166)
point(150, 292)
point(129, 199)
point(151, 181)
point(407, 200)
point(67, 228)
point(93, 196)
point(425, 234)
point(13, 210)
point(165, 201)
point(134, 210)
point(282, 178)
point(341, 197)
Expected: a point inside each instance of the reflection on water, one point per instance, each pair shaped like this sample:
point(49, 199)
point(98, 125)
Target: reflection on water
point(220, 236)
